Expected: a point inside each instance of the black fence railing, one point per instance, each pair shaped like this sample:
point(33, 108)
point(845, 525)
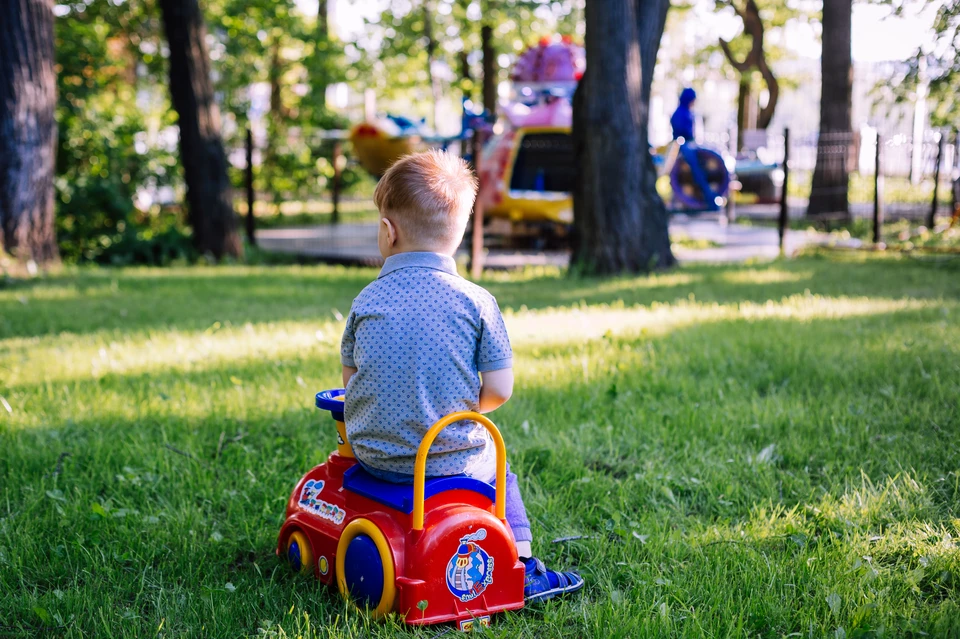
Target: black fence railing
point(834, 177)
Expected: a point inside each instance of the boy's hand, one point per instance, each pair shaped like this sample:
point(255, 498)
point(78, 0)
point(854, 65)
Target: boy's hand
point(348, 372)
point(495, 389)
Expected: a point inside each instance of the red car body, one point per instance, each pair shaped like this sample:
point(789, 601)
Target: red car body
point(459, 564)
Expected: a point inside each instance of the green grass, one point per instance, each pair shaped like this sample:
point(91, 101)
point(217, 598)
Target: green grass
point(764, 450)
point(898, 235)
point(897, 190)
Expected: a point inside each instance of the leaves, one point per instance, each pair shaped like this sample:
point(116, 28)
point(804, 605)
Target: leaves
point(43, 615)
point(765, 456)
point(833, 600)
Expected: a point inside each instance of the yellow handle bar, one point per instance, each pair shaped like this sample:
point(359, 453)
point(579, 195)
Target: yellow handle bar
point(420, 466)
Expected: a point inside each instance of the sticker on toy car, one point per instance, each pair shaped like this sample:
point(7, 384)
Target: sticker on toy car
point(470, 570)
point(310, 500)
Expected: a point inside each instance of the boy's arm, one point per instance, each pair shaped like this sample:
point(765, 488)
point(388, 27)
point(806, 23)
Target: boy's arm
point(348, 372)
point(494, 358)
point(347, 343)
point(495, 389)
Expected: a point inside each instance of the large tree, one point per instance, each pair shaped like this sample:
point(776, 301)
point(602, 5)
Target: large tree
point(620, 222)
point(828, 195)
point(201, 150)
point(755, 57)
point(28, 130)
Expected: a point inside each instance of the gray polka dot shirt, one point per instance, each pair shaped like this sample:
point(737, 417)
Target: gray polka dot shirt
point(419, 335)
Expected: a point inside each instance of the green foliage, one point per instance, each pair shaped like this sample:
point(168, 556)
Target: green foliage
point(105, 148)
point(274, 43)
point(936, 62)
point(99, 170)
point(392, 52)
point(777, 17)
point(738, 451)
point(117, 130)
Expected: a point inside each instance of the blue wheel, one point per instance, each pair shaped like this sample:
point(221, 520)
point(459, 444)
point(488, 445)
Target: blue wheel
point(363, 571)
point(686, 191)
point(299, 554)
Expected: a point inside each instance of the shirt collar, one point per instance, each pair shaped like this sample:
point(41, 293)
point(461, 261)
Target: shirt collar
point(418, 259)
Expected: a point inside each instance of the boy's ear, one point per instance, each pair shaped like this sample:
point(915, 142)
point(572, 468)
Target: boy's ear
point(391, 231)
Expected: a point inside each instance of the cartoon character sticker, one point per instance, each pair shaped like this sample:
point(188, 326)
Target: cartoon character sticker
point(310, 500)
point(470, 570)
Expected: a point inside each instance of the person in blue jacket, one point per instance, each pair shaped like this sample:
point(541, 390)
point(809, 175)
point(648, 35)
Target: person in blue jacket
point(683, 123)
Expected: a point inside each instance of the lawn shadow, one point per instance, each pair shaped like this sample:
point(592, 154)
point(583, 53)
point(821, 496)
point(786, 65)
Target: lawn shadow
point(735, 470)
point(128, 301)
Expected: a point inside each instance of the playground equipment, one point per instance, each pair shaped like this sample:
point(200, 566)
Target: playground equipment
point(528, 167)
point(381, 142)
point(683, 194)
point(436, 551)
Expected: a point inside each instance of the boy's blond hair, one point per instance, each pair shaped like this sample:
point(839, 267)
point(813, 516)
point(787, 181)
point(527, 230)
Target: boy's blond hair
point(429, 196)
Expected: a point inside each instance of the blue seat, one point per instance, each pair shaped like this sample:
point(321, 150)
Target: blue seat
point(400, 496)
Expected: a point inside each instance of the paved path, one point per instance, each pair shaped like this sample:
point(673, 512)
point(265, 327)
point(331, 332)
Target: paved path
point(357, 243)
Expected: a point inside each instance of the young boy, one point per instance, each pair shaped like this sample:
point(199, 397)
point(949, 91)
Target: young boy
point(421, 342)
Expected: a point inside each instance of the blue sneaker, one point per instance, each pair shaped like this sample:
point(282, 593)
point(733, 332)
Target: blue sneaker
point(541, 584)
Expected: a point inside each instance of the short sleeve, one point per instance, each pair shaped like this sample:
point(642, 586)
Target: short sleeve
point(347, 342)
point(494, 353)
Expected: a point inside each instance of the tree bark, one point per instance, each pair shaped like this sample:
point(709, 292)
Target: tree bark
point(828, 195)
point(28, 130)
point(745, 120)
point(489, 69)
point(435, 89)
point(322, 41)
point(275, 129)
point(756, 58)
point(323, 20)
point(620, 222)
point(201, 148)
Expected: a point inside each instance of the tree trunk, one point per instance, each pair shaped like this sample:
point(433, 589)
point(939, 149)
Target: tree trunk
point(28, 130)
point(201, 149)
point(319, 85)
point(744, 109)
point(323, 20)
point(828, 195)
point(436, 92)
point(466, 78)
point(748, 116)
point(489, 69)
point(620, 222)
point(275, 128)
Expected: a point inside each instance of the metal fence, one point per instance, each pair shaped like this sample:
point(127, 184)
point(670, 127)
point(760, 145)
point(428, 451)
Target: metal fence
point(916, 178)
point(860, 175)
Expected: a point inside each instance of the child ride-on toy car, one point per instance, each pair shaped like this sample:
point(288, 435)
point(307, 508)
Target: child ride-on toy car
point(436, 551)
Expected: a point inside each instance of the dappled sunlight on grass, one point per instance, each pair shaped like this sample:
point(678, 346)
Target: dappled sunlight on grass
point(594, 322)
point(87, 358)
point(767, 276)
point(721, 452)
point(58, 292)
point(662, 280)
point(73, 358)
